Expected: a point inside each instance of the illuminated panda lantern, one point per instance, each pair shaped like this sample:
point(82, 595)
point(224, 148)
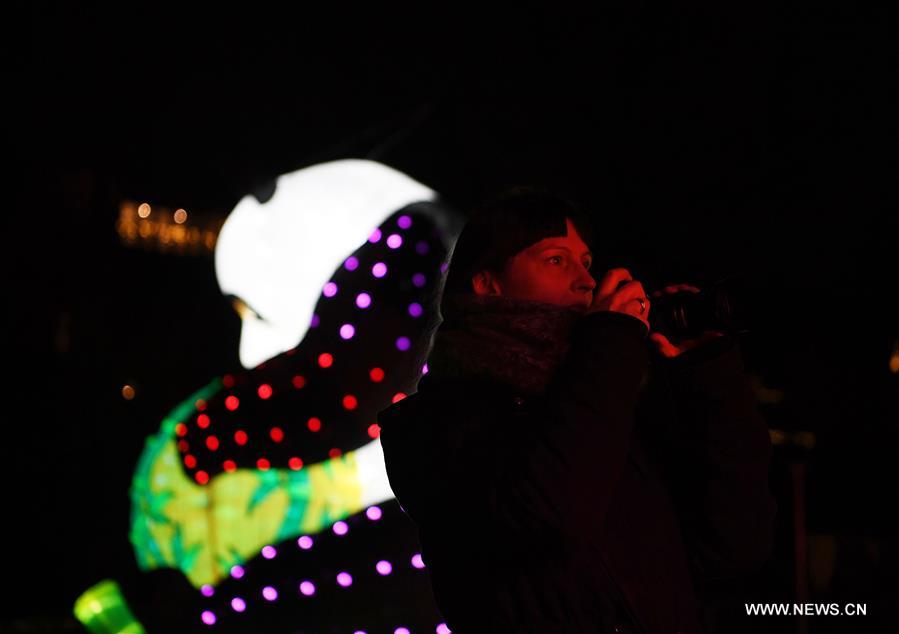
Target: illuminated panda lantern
point(267, 488)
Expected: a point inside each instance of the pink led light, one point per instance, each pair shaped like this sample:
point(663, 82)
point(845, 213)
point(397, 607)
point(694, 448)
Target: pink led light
point(415, 309)
point(418, 279)
point(404, 222)
point(394, 240)
point(269, 593)
point(379, 269)
point(208, 617)
point(347, 331)
point(307, 588)
point(344, 579)
point(351, 263)
point(403, 343)
point(340, 528)
point(401, 630)
point(305, 542)
point(443, 629)
point(330, 289)
point(383, 567)
point(269, 552)
point(424, 369)
point(417, 561)
point(363, 300)
point(237, 572)
point(207, 590)
point(373, 513)
point(238, 604)
point(375, 236)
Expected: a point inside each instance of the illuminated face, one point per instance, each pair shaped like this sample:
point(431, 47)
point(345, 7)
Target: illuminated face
point(553, 270)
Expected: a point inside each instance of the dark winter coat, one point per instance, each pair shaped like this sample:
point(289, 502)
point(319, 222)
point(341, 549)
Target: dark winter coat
point(597, 507)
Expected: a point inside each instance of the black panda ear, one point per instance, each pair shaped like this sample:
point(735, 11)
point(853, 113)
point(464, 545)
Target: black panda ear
point(264, 192)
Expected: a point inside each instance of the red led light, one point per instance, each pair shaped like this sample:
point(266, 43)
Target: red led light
point(212, 443)
point(183, 446)
point(189, 461)
point(228, 381)
point(299, 381)
point(200, 405)
point(376, 374)
point(229, 466)
point(277, 434)
point(314, 424)
point(334, 452)
point(240, 437)
point(295, 463)
point(374, 430)
point(202, 477)
point(232, 402)
point(397, 397)
point(265, 391)
point(350, 402)
point(325, 360)
point(203, 421)
point(263, 464)
point(181, 429)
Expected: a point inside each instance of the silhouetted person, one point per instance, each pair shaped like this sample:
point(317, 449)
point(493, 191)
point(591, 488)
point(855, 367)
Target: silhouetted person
point(557, 488)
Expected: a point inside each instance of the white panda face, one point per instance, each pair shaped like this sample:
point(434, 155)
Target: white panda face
point(275, 258)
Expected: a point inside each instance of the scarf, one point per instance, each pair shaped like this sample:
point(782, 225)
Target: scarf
point(519, 343)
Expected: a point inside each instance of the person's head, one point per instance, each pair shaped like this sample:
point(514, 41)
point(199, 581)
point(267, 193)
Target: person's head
point(525, 244)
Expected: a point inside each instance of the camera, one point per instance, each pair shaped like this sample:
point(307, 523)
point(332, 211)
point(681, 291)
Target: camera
point(686, 314)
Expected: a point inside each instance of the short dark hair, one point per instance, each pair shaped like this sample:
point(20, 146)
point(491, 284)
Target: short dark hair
point(504, 225)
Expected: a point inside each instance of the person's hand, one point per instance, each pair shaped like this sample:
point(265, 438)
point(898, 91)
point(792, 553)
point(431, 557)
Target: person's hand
point(671, 350)
point(618, 291)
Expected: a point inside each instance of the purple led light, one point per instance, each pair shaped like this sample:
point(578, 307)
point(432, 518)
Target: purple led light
point(351, 263)
point(415, 309)
point(344, 579)
point(394, 240)
point(418, 279)
point(347, 331)
point(401, 630)
point(269, 552)
point(424, 369)
point(375, 236)
point(340, 528)
point(379, 269)
point(208, 617)
point(359, 632)
point(417, 561)
point(444, 267)
point(421, 247)
point(330, 289)
point(383, 567)
point(207, 590)
point(269, 593)
point(307, 588)
point(443, 629)
point(314, 322)
point(363, 300)
point(373, 513)
point(403, 343)
point(238, 604)
point(305, 542)
point(237, 572)
point(404, 222)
